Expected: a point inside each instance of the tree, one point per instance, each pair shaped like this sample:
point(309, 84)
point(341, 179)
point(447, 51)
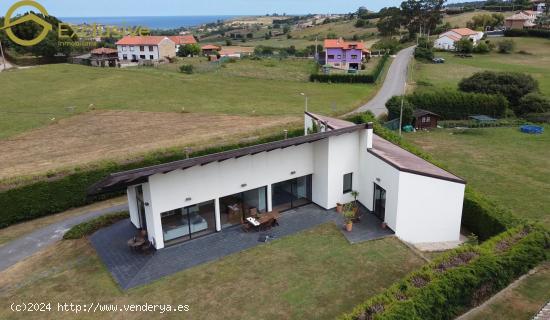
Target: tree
point(390, 23)
point(189, 50)
point(482, 47)
point(506, 46)
point(532, 103)
point(362, 13)
point(464, 46)
point(421, 53)
point(511, 85)
point(394, 109)
point(421, 14)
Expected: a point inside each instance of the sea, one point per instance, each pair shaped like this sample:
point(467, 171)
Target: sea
point(161, 22)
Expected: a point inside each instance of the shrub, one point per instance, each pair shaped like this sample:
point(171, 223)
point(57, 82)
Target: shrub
point(451, 104)
point(541, 33)
point(351, 78)
point(186, 68)
point(459, 279)
point(394, 109)
point(512, 85)
point(389, 44)
point(89, 227)
point(423, 54)
point(482, 47)
point(533, 103)
point(538, 117)
point(506, 46)
point(464, 46)
point(57, 194)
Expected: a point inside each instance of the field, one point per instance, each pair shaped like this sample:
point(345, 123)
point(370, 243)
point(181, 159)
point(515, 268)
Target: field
point(460, 20)
point(32, 97)
point(534, 60)
point(122, 135)
point(344, 29)
point(315, 274)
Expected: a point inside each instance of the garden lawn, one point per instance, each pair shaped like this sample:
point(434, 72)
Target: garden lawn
point(315, 274)
point(535, 61)
point(504, 164)
point(41, 95)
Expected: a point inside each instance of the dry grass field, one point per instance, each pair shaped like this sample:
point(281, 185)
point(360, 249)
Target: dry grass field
point(120, 135)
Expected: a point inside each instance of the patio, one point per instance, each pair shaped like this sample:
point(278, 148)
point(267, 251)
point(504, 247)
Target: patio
point(131, 269)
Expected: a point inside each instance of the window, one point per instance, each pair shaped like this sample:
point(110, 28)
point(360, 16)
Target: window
point(339, 56)
point(151, 48)
point(141, 48)
point(124, 57)
point(142, 56)
point(152, 57)
point(428, 119)
point(331, 56)
point(354, 56)
point(124, 48)
point(131, 48)
point(348, 181)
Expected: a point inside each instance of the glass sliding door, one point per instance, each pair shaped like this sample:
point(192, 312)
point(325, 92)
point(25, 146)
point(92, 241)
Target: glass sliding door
point(291, 193)
point(235, 208)
point(190, 222)
point(141, 208)
point(379, 202)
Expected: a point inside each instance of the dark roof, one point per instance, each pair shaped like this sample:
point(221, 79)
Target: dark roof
point(121, 180)
point(332, 123)
point(422, 112)
point(406, 161)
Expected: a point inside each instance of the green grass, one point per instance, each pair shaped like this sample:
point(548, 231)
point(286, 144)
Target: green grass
point(537, 63)
point(460, 20)
point(520, 302)
point(315, 274)
point(506, 165)
point(33, 97)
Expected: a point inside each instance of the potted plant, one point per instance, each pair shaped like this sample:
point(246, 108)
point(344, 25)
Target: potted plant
point(349, 215)
point(384, 225)
point(339, 207)
point(355, 194)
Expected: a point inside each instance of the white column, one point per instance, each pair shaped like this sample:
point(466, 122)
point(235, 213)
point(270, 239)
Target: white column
point(217, 211)
point(269, 203)
point(132, 205)
point(154, 221)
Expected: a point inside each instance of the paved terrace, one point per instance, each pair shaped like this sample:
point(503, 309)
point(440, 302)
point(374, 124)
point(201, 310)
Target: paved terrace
point(131, 269)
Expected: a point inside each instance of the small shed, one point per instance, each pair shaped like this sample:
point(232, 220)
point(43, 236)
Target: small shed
point(424, 119)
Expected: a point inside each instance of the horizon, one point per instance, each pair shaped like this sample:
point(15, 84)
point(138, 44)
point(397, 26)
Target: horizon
point(174, 8)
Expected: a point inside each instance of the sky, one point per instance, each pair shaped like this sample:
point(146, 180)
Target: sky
point(102, 8)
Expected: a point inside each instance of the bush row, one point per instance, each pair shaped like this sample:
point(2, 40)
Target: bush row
point(540, 33)
point(57, 194)
point(474, 124)
point(87, 228)
point(460, 279)
point(452, 104)
point(352, 78)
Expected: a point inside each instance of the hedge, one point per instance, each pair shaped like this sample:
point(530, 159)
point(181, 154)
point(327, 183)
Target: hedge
point(87, 228)
point(460, 279)
point(453, 104)
point(59, 194)
point(352, 78)
point(540, 33)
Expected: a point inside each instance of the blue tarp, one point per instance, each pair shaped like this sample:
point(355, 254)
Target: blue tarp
point(531, 129)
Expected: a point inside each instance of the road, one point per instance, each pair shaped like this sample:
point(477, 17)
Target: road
point(394, 84)
point(23, 247)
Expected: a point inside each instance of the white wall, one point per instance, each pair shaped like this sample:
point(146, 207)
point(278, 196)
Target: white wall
point(343, 158)
point(430, 210)
point(154, 224)
point(444, 43)
point(126, 50)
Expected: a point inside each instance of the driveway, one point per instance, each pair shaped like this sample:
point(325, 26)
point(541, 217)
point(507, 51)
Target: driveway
point(21, 248)
point(394, 84)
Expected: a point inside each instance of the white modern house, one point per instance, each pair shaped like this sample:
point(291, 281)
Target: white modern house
point(446, 40)
point(185, 199)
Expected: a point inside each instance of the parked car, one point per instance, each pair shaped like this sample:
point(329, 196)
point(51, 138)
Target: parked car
point(438, 60)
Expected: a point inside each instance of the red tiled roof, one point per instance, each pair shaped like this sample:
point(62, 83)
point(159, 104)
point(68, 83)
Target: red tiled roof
point(104, 51)
point(342, 44)
point(452, 36)
point(464, 31)
point(210, 47)
point(141, 40)
point(187, 39)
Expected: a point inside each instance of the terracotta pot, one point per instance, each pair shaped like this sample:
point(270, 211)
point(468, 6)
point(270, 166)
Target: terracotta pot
point(384, 225)
point(339, 207)
point(349, 226)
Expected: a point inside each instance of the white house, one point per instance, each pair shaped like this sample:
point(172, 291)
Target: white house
point(446, 40)
point(138, 48)
point(182, 200)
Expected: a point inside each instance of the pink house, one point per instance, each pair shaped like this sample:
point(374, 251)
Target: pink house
point(346, 55)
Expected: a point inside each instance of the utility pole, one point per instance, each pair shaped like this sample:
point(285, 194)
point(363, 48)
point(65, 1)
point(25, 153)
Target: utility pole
point(3, 57)
point(305, 95)
point(401, 110)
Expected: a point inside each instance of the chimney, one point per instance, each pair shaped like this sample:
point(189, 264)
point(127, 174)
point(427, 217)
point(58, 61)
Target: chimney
point(369, 135)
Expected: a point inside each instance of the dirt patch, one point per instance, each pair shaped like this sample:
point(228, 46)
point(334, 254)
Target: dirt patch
point(119, 135)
